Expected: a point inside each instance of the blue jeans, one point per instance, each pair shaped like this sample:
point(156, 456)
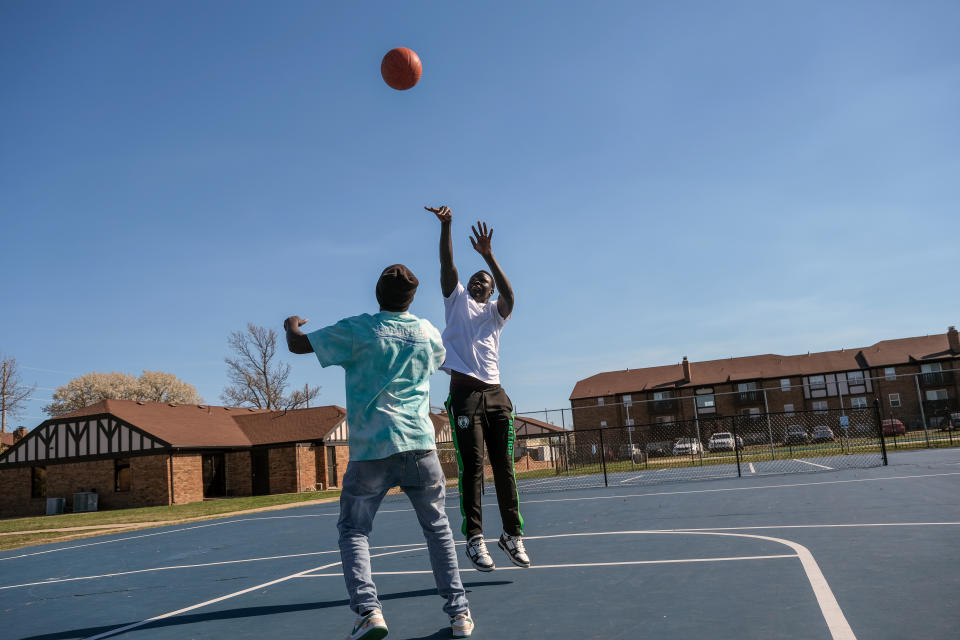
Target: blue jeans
point(419, 475)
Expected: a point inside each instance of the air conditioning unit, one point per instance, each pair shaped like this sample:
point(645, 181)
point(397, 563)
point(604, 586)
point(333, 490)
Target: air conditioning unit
point(55, 506)
point(85, 501)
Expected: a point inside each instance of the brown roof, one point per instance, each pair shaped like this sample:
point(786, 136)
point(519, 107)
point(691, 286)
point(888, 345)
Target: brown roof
point(190, 425)
point(524, 425)
point(299, 425)
point(6, 439)
point(881, 354)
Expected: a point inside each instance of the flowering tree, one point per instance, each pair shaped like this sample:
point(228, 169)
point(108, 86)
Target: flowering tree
point(151, 386)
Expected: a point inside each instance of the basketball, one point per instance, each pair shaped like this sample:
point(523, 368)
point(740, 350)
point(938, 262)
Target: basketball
point(401, 68)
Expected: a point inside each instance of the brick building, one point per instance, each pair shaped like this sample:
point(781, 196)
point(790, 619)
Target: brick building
point(916, 380)
point(137, 454)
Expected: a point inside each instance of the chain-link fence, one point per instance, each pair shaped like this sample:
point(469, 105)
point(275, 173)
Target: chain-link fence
point(705, 448)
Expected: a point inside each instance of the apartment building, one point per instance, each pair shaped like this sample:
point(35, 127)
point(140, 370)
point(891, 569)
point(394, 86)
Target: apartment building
point(916, 380)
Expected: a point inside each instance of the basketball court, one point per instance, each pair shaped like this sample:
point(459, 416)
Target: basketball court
point(860, 553)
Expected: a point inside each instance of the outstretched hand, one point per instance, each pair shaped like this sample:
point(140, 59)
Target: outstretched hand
point(294, 322)
point(443, 213)
point(481, 239)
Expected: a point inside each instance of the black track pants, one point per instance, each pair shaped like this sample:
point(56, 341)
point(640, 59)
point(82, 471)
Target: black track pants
point(478, 417)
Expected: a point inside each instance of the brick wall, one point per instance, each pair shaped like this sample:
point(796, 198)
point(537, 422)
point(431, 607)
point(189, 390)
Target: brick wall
point(239, 479)
point(187, 478)
point(342, 457)
point(307, 454)
point(149, 485)
point(283, 470)
point(15, 494)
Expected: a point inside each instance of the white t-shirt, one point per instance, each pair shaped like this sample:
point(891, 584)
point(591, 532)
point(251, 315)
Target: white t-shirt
point(472, 336)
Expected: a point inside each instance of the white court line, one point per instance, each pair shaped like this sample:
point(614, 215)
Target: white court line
point(822, 466)
point(752, 470)
point(528, 538)
point(489, 505)
point(409, 547)
point(170, 614)
point(576, 565)
point(160, 533)
point(833, 615)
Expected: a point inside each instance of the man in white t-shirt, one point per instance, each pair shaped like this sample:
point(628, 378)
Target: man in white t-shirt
point(478, 408)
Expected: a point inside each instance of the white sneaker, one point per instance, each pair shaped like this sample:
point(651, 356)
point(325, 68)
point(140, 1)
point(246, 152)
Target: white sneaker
point(478, 554)
point(461, 625)
point(369, 627)
point(513, 546)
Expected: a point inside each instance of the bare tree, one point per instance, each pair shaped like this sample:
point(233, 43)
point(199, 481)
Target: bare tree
point(13, 393)
point(255, 380)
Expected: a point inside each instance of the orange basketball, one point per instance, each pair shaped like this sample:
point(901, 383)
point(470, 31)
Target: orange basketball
point(401, 68)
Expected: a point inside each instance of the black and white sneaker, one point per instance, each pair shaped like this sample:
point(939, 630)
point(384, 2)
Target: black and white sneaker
point(513, 547)
point(478, 554)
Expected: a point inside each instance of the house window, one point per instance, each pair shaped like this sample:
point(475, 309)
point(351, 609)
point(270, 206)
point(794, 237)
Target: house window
point(933, 367)
point(706, 401)
point(858, 402)
point(628, 400)
point(753, 411)
point(603, 424)
point(600, 402)
point(743, 387)
point(894, 400)
point(121, 474)
point(661, 395)
point(629, 422)
point(38, 482)
point(890, 373)
point(937, 394)
point(820, 406)
point(784, 384)
point(788, 409)
point(663, 419)
point(855, 377)
point(817, 383)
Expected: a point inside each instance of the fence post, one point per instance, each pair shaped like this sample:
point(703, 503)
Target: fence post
point(883, 442)
point(603, 460)
point(736, 446)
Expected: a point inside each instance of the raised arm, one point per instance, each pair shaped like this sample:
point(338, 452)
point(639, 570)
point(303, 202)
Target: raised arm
point(482, 242)
point(297, 341)
point(448, 272)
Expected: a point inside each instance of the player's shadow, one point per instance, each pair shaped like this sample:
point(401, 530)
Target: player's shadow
point(254, 612)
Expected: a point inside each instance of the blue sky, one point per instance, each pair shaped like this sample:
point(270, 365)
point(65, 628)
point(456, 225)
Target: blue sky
point(665, 179)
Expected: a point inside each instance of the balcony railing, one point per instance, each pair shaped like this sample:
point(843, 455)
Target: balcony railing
point(936, 378)
point(939, 407)
point(662, 406)
point(748, 397)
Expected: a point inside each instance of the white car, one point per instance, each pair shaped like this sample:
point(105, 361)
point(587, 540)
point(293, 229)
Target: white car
point(723, 441)
point(687, 447)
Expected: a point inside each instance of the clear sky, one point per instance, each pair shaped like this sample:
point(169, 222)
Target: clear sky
point(699, 178)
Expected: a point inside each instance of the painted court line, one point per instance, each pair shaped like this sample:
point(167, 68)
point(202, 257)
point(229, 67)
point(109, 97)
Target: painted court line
point(170, 614)
point(408, 547)
point(833, 615)
point(573, 565)
point(822, 466)
point(752, 470)
point(546, 500)
point(161, 533)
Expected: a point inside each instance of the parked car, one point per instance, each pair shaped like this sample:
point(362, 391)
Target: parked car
point(687, 447)
point(952, 423)
point(756, 437)
point(795, 434)
point(724, 441)
point(659, 449)
point(822, 433)
point(893, 427)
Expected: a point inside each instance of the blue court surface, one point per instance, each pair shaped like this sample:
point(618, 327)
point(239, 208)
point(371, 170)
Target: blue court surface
point(860, 553)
